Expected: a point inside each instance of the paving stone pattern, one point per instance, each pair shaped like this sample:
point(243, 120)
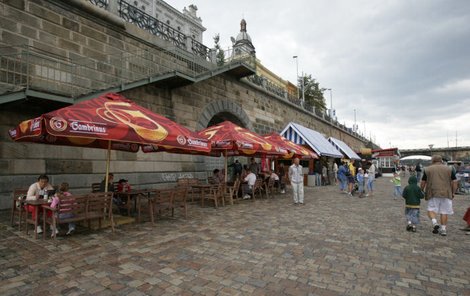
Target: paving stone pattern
point(333, 245)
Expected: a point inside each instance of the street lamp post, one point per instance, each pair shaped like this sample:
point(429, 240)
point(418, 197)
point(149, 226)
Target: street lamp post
point(355, 125)
point(430, 148)
point(297, 77)
point(331, 101)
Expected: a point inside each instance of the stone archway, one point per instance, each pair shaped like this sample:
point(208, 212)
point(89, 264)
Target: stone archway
point(221, 110)
point(217, 112)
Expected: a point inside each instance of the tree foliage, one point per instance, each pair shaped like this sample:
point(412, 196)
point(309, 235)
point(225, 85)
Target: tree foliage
point(219, 53)
point(310, 89)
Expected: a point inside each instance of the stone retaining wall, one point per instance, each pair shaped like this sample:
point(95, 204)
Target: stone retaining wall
point(57, 28)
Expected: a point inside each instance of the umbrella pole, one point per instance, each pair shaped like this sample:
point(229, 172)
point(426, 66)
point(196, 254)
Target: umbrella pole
point(108, 160)
point(226, 166)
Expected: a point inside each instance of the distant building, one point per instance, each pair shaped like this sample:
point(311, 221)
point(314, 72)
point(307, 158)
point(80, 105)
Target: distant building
point(187, 22)
point(242, 45)
point(386, 159)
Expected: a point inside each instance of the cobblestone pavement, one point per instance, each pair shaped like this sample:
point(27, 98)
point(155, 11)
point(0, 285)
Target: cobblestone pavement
point(333, 245)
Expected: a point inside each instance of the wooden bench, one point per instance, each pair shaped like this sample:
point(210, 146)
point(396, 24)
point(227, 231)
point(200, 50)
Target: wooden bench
point(88, 207)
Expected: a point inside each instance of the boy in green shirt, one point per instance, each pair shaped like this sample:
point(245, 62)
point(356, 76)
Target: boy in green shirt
point(396, 184)
point(412, 195)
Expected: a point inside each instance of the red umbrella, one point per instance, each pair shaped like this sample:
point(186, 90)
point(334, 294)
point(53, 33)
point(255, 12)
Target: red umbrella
point(109, 122)
point(293, 149)
point(232, 139)
point(235, 140)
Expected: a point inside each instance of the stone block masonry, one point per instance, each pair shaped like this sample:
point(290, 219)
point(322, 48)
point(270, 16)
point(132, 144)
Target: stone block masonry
point(63, 30)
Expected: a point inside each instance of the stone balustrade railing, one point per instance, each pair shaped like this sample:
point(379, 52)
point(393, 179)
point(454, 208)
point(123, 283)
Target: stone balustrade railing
point(134, 15)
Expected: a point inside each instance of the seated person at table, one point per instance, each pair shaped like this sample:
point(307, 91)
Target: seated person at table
point(116, 199)
point(216, 178)
point(38, 190)
point(64, 212)
point(245, 172)
point(274, 177)
point(249, 183)
point(222, 176)
point(110, 183)
point(123, 186)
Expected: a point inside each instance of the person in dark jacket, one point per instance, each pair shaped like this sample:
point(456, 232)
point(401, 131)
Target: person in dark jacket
point(412, 195)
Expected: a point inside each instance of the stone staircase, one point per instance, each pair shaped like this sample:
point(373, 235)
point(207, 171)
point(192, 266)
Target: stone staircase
point(30, 72)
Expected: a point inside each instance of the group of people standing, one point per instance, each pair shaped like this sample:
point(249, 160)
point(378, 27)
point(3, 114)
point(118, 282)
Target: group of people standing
point(348, 174)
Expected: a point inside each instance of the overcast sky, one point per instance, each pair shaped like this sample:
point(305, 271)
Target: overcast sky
point(403, 65)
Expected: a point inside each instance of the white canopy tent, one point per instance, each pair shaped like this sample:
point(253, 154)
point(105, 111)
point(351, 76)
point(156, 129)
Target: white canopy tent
point(416, 157)
point(412, 160)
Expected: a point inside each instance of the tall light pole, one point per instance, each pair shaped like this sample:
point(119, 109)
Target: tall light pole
point(430, 148)
point(331, 101)
point(297, 82)
point(355, 125)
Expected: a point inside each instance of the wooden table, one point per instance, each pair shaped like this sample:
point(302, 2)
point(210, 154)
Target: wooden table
point(36, 203)
point(203, 189)
point(136, 194)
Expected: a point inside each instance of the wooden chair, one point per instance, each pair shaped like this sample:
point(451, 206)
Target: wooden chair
point(259, 187)
point(187, 182)
point(18, 196)
point(193, 192)
point(179, 200)
point(216, 194)
point(271, 186)
point(95, 187)
point(211, 180)
point(231, 192)
point(184, 182)
point(159, 200)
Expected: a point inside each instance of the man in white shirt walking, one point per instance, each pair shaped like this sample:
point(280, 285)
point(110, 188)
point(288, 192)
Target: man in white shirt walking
point(296, 178)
